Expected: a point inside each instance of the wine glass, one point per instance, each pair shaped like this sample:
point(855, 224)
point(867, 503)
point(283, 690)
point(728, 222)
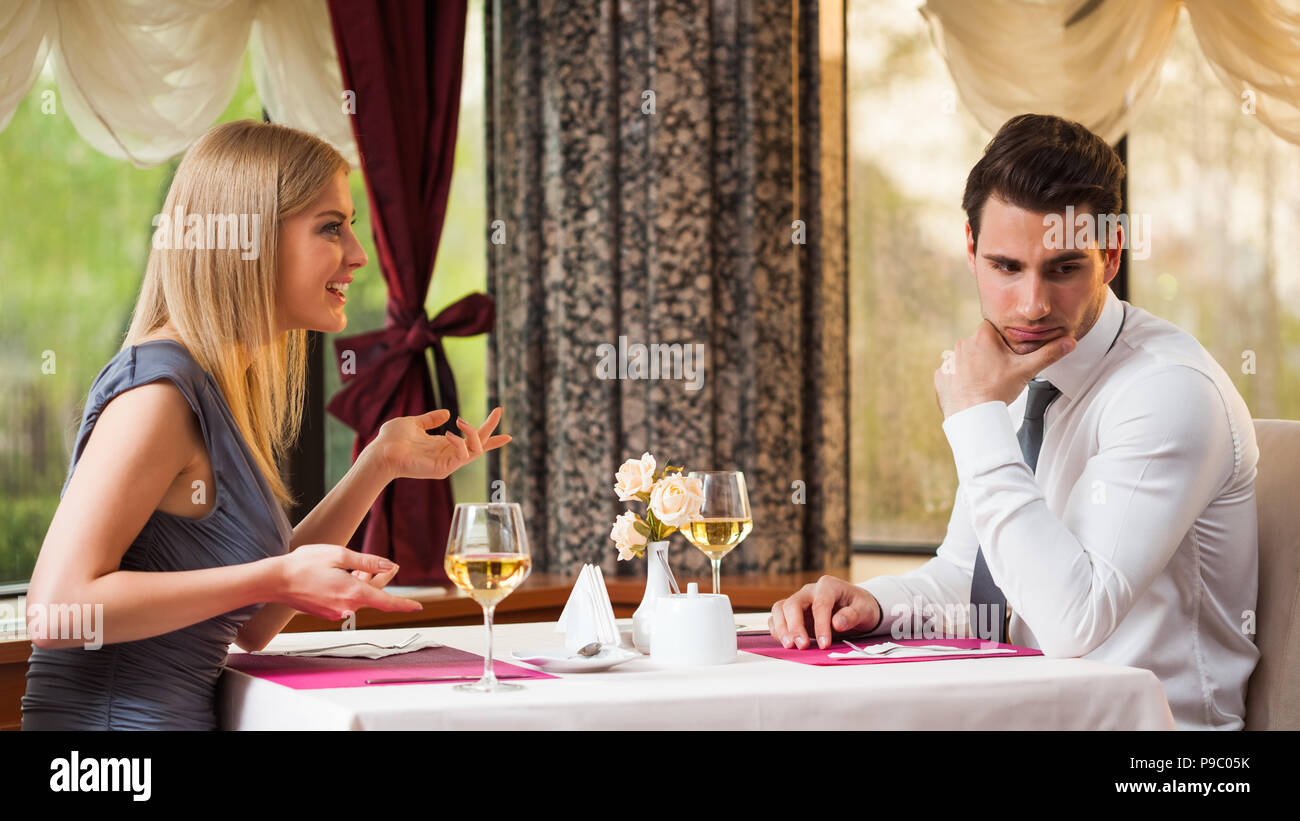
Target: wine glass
point(487, 557)
point(724, 520)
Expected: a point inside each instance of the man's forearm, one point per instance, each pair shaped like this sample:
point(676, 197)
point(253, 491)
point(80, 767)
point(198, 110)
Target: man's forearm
point(936, 592)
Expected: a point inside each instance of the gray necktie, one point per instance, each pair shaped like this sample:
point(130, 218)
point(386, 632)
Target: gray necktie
point(983, 591)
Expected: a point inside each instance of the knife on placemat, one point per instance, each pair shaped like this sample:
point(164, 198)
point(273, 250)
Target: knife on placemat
point(438, 678)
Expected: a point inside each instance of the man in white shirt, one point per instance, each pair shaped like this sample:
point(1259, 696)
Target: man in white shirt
point(1133, 539)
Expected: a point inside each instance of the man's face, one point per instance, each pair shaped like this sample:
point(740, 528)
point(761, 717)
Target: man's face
point(1032, 287)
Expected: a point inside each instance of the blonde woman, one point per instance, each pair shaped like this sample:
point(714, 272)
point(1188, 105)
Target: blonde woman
point(170, 541)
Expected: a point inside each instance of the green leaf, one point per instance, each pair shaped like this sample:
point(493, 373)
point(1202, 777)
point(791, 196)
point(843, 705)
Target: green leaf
point(653, 525)
point(661, 474)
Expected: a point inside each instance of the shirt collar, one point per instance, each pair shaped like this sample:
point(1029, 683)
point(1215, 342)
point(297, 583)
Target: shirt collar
point(1072, 373)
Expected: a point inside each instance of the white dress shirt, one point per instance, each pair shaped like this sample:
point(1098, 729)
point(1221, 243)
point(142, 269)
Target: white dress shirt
point(1136, 542)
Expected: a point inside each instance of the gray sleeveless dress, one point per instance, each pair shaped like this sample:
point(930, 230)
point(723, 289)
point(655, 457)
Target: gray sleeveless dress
point(166, 682)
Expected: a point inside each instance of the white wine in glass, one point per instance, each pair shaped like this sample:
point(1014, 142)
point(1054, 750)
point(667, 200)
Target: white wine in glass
point(488, 578)
point(724, 520)
point(487, 557)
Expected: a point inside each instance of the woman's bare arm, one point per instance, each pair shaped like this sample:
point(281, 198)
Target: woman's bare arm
point(333, 521)
point(142, 441)
point(402, 448)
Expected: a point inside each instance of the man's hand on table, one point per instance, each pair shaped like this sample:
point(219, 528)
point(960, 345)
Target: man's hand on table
point(829, 607)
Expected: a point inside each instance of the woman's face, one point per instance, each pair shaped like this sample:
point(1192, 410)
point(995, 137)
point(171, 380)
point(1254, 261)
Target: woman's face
point(317, 254)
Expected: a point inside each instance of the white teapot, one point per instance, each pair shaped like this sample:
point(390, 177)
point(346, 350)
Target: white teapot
point(693, 629)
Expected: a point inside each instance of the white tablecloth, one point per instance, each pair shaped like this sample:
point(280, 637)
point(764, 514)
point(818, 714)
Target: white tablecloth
point(753, 693)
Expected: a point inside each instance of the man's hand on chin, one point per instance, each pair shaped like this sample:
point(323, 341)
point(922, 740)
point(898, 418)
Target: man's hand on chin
point(983, 369)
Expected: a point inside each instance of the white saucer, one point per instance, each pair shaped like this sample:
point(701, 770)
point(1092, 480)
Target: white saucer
point(559, 660)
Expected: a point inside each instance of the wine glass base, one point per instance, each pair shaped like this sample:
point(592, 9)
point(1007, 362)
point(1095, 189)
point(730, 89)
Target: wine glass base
point(481, 686)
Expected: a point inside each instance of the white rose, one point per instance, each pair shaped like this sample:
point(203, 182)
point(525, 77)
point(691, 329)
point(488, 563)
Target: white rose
point(625, 536)
point(635, 476)
point(676, 500)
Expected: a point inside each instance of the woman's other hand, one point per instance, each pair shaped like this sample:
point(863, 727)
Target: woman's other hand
point(376, 580)
point(409, 452)
point(321, 579)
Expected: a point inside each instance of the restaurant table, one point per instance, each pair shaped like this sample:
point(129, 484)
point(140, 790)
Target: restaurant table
point(752, 693)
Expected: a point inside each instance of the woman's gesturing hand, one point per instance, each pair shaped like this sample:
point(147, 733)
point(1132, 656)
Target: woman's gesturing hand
point(409, 452)
point(321, 579)
point(379, 580)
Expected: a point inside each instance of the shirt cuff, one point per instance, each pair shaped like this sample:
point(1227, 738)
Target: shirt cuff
point(982, 438)
point(895, 602)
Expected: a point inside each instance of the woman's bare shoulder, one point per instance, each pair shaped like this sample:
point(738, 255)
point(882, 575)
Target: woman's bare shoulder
point(143, 440)
point(155, 419)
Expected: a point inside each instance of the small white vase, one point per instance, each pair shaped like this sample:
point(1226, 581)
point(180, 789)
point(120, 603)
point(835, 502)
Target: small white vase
point(656, 584)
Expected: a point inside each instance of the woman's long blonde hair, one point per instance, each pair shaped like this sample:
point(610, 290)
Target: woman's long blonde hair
point(222, 305)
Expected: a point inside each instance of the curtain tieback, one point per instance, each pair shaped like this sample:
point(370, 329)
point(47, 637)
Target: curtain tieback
point(372, 365)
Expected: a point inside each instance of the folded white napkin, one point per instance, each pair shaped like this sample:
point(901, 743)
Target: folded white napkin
point(337, 647)
point(588, 615)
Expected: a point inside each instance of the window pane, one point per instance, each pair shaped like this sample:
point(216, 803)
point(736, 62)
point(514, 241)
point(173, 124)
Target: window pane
point(1219, 190)
point(911, 145)
point(72, 256)
point(460, 268)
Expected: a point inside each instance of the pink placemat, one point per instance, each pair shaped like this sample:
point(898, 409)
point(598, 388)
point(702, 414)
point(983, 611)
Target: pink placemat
point(323, 672)
point(770, 647)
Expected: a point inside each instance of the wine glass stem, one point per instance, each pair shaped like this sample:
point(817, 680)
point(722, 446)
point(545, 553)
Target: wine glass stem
point(717, 575)
point(489, 676)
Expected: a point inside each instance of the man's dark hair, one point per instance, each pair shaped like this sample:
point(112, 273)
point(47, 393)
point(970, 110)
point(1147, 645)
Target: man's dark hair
point(1043, 163)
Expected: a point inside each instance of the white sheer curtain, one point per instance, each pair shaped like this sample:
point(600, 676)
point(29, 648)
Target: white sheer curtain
point(1097, 61)
point(141, 79)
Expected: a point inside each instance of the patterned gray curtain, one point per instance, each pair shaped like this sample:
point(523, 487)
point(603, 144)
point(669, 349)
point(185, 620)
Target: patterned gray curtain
point(669, 173)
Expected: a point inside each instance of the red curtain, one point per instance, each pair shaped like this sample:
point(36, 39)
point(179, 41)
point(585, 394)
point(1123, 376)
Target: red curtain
point(403, 62)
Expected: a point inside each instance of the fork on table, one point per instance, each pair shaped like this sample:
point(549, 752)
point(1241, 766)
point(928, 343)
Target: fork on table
point(406, 643)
